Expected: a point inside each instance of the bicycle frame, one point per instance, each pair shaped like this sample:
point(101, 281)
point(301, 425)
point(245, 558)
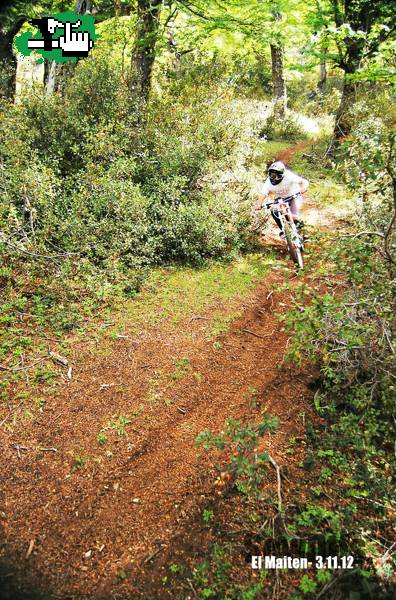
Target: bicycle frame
point(293, 239)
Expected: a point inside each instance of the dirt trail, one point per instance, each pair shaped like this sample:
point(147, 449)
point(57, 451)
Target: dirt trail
point(287, 154)
point(74, 518)
point(124, 504)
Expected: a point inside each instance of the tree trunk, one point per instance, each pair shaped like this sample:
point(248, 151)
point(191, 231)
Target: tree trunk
point(8, 69)
point(83, 6)
point(51, 77)
point(342, 126)
point(278, 81)
point(8, 62)
point(148, 18)
point(322, 73)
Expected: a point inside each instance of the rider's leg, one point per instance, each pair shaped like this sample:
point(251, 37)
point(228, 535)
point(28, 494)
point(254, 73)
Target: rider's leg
point(277, 220)
point(275, 215)
point(295, 207)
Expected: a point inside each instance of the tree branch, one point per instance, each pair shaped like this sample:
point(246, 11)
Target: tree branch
point(8, 37)
point(392, 175)
point(194, 11)
point(380, 41)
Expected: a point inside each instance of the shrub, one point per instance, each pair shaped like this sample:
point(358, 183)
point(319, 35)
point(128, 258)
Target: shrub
point(287, 129)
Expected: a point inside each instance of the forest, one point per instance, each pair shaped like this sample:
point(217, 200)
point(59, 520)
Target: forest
point(187, 410)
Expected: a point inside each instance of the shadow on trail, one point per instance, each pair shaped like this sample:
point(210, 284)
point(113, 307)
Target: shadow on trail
point(21, 583)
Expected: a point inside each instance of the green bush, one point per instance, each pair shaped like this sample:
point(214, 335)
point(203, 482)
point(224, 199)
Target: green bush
point(287, 129)
point(84, 173)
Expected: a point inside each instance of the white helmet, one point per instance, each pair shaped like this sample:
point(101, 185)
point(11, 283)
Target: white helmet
point(276, 172)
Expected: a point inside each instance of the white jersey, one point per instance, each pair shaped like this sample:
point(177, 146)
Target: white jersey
point(289, 185)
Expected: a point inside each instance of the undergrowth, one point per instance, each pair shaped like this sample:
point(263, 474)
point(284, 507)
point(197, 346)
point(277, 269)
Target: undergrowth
point(56, 315)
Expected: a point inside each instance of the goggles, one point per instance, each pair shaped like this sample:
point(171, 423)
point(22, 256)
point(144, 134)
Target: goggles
point(275, 176)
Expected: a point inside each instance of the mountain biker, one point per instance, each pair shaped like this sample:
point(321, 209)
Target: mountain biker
point(282, 183)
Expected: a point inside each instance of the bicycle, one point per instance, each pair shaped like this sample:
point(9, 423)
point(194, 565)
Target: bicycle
point(292, 236)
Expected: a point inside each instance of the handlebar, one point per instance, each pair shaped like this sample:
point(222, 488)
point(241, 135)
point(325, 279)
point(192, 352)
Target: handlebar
point(286, 200)
point(280, 200)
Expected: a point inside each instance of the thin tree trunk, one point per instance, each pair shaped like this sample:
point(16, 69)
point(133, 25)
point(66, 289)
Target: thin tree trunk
point(8, 70)
point(83, 6)
point(148, 18)
point(51, 77)
point(322, 73)
point(278, 81)
point(8, 62)
point(47, 68)
point(342, 125)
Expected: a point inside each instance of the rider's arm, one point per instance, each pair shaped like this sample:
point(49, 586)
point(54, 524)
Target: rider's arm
point(263, 195)
point(303, 184)
point(296, 181)
point(262, 199)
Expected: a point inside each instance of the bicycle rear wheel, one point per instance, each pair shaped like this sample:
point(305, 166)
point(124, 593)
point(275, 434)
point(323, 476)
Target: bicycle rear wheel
point(295, 250)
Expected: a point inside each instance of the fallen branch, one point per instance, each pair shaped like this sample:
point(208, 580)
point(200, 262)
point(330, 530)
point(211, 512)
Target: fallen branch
point(151, 556)
point(257, 335)
point(18, 448)
point(356, 235)
point(34, 254)
point(278, 477)
point(25, 367)
point(197, 317)
point(58, 358)
point(330, 584)
point(194, 591)
point(389, 342)
point(30, 549)
point(388, 553)
point(6, 419)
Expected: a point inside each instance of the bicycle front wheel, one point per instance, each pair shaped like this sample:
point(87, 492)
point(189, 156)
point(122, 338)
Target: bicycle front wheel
point(293, 245)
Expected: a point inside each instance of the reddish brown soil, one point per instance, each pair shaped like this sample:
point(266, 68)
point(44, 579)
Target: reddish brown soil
point(287, 154)
point(133, 495)
point(68, 526)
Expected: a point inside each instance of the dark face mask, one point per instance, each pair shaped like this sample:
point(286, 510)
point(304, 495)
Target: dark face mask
point(275, 177)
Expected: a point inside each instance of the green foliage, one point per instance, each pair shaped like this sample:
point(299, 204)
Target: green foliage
point(79, 461)
point(93, 196)
point(182, 368)
point(119, 424)
point(102, 438)
point(82, 173)
point(307, 585)
point(207, 516)
point(313, 517)
point(349, 333)
point(121, 575)
point(287, 129)
point(212, 577)
point(246, 467)
point(351, 33)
